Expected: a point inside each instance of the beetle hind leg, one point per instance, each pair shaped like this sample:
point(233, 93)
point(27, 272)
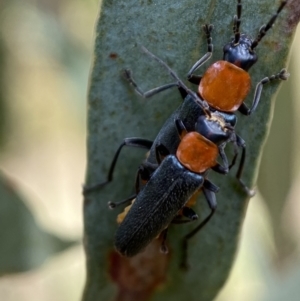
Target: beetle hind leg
point(211, 200)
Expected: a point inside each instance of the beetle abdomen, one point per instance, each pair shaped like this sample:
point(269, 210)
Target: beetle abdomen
point(169, 188)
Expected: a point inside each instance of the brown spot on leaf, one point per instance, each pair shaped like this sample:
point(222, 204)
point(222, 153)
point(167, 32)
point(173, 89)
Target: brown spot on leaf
point(113, 55)
point(293, 18)
point(138, 277)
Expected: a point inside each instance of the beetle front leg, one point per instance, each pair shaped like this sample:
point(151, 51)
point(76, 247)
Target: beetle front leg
point(282, 75)
point(195, 79)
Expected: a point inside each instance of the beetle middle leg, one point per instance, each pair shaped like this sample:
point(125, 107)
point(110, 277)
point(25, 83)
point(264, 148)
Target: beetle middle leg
point(144, 172)
point(239, 142)
point(187, 212)
point(133, 142)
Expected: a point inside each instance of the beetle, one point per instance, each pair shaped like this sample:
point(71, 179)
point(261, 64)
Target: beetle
point(165, 190)
point(226, 83)
point(168, 192)
point(189, 112)
point(238, 57)
point(193, 108)
point(223, 87)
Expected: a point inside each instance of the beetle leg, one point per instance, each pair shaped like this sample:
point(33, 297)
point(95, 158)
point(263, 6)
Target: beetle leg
point(150, 93)
point(234, 159)
point(212, 203)
point(182, 92)
point(208, 185)
point(145, 170)
point(143, 174)
point(222, 169)
point(161, 152)
point(194, 78)
point(113, 205)
point(282, 75)
point(187, 212)
point(181, 129)
point(134, 142)
point(224, 157)
point(241, 143)
point(163, 247)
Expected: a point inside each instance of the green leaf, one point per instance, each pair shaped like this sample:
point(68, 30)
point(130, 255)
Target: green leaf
point(24, 245)
point(275, 180)
point(172, 31)
point(3, 107)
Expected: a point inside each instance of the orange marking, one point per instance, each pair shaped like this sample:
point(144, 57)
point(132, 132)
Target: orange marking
point(225, 86)
point(183, 133)
point(122, 215)
point(197, 153)
point(192, 201)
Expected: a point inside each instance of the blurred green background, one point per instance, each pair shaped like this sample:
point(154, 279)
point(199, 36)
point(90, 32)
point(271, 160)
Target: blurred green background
point(46, 49)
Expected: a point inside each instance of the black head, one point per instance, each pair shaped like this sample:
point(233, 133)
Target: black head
point(214, 128)
point(240, 51)
point(240, 54)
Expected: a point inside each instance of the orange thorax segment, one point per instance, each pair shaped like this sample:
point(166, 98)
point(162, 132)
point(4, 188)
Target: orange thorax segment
point(197, 153)
point(225, 86)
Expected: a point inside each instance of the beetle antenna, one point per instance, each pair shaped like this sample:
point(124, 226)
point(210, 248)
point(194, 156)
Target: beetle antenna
point(263, 30)
point(203, 104)
point(237, 22)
